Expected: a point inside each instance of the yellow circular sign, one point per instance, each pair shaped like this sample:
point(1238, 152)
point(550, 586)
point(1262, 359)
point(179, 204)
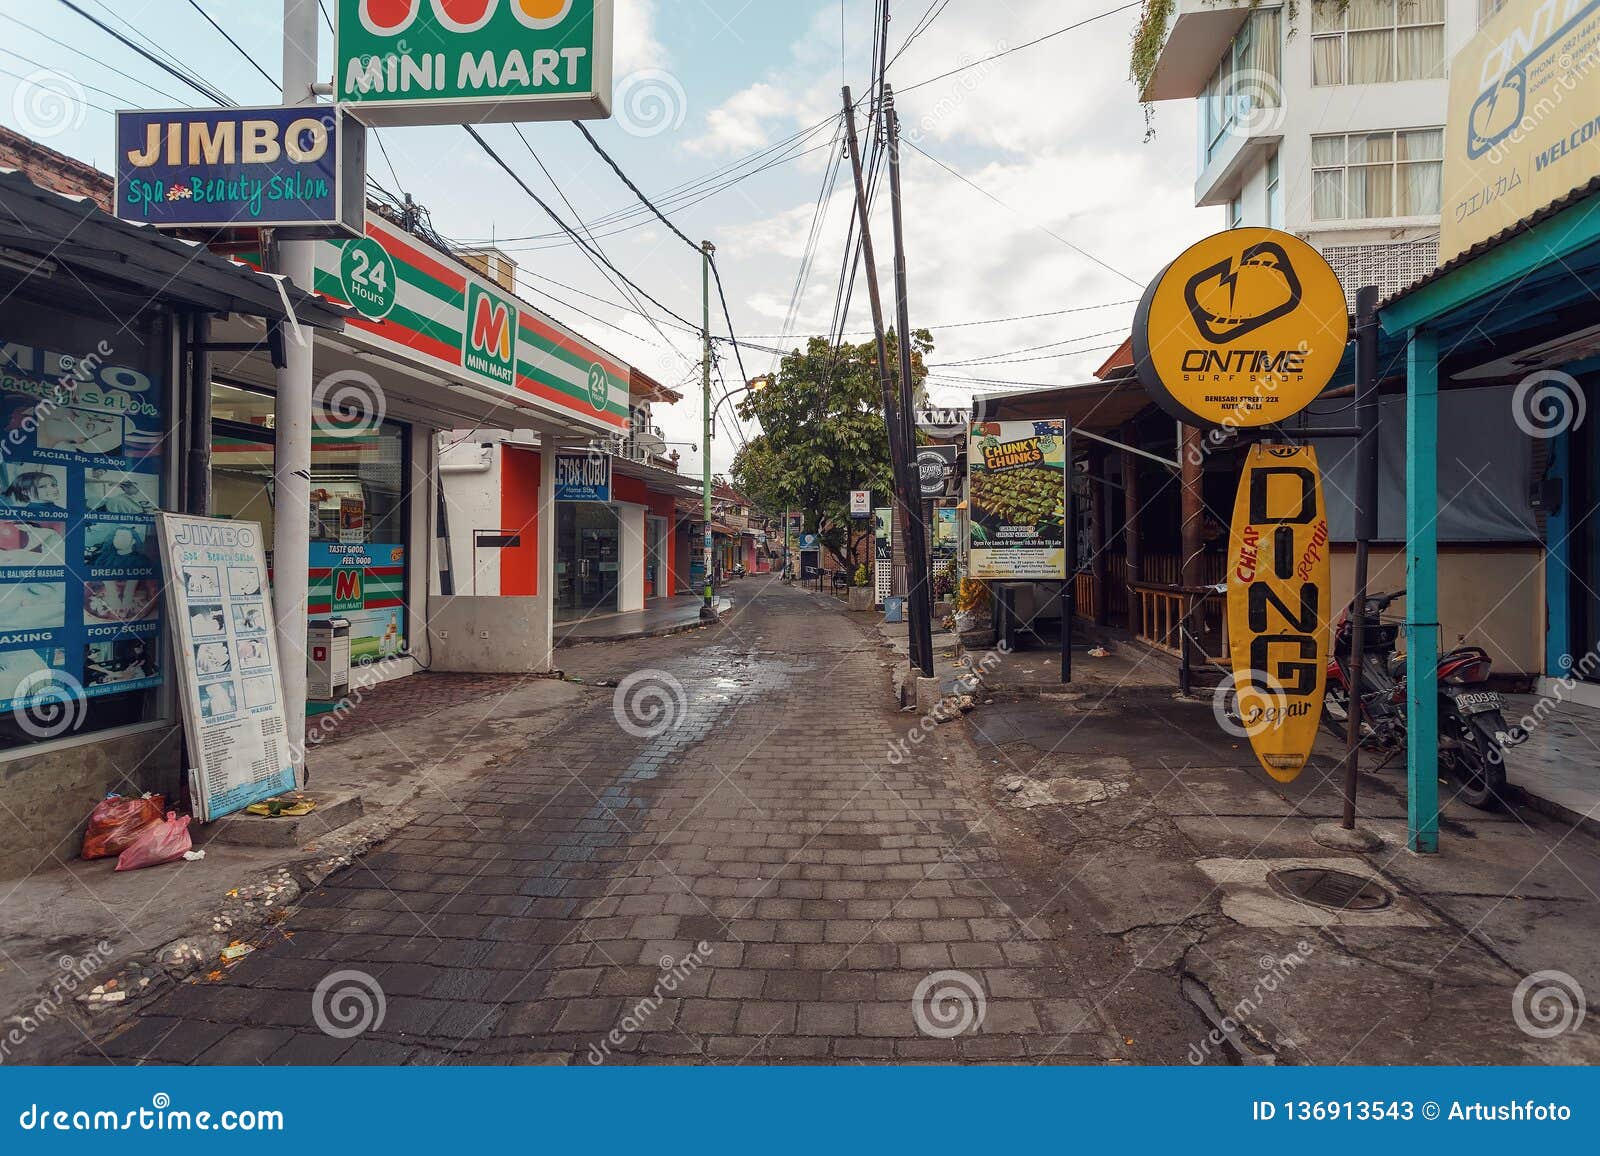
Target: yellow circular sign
point(1244, 329)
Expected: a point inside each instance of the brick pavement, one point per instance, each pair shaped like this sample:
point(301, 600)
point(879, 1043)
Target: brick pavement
point(756, 883)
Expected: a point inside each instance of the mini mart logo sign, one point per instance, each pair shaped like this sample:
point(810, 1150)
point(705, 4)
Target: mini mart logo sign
point(491, 345)
point(403, 62)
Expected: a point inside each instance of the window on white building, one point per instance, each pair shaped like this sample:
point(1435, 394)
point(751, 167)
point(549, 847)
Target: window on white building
point(1376, 41)
point(1236, 212)
point(1487, 8)
point(1373, 175)
point(1248, 78)
point(1274, 194)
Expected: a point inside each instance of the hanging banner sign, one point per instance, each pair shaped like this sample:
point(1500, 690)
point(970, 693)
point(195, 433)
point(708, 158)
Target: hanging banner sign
point(227, 659)
point(882, 554)
point(412, 62)
point(1244, 329)
point(583, 478)
point(1017, 500)
point(301, 170)
point(1279, 583)
point(1522, 130)
point(861, 503)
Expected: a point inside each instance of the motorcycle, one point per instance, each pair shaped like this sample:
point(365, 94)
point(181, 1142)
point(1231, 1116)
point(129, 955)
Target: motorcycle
point(1473, 733)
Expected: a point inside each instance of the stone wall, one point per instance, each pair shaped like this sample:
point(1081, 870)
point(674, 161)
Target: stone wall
point(48, 796)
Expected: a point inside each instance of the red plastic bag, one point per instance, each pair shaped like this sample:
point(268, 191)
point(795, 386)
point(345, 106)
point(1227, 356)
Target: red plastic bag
point(157, 844)
point(116, 822)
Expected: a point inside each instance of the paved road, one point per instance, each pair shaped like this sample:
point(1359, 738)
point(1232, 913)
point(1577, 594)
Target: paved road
point(725, 867)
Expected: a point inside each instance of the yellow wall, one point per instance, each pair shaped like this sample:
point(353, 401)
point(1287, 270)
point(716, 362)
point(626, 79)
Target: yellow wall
point(1494, 597)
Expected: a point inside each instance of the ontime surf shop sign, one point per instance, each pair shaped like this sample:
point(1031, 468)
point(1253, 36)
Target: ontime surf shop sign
point(425, 308)
point(297, 169)
point(403, 62)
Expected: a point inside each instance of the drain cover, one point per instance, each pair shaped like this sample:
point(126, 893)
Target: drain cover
point(1337, 889)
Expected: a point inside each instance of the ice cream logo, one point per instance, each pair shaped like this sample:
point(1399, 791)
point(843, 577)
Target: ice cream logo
point(1228, 300)
point(392, 17)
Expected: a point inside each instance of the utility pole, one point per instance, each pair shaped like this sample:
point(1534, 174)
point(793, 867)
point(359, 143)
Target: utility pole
point(906, 495)
point(291, 465)
point(708, 612)
point(921, 608)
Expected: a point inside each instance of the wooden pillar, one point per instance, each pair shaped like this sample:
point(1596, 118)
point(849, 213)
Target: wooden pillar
point(1097, 532)
point(1194, 509)
point(1130, 523)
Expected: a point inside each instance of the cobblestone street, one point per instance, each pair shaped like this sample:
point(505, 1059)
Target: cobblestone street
point(725, 867)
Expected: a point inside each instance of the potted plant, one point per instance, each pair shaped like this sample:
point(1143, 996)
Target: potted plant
point(861, 590)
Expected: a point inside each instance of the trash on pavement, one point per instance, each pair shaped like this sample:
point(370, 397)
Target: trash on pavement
point(158, 843)
point(283, 806)
point(117, 821)
point(1099, 652)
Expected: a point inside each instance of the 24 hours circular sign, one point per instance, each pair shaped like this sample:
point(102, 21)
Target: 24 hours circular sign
point(1246, 328)
point(366, 271)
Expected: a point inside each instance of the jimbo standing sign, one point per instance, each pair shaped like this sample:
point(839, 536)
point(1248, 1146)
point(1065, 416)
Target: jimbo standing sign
point(1244, 330)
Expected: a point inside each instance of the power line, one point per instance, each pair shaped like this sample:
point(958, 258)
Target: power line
point(1020, 47)
point(962, 324)
point(991, 357)
point(195, 4)
point(1076, 248)
point(94, 59)
point(199, 85)
point(594, 243)
point(556, 217)
point(934, 10)
point(122, 100)
point(633, 188)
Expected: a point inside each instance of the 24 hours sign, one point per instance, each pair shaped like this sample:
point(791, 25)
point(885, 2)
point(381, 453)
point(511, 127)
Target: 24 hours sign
point(403, 62)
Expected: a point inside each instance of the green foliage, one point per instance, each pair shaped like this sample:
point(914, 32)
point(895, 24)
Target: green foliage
point(822, 436)
point(861, 578)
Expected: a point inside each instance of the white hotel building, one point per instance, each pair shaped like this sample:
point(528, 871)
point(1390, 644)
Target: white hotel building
point(1323, 119)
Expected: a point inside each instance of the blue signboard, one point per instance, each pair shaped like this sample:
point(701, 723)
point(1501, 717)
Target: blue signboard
point(80, 483)
point(300, 169)
point(583, 477)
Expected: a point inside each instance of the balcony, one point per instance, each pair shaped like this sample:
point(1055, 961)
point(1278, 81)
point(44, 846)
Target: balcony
point(1201, 32)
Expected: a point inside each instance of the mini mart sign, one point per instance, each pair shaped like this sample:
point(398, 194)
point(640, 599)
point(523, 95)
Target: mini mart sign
point(406, 62)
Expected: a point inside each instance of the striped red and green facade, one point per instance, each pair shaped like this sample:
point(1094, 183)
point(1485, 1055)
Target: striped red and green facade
point(427, 322)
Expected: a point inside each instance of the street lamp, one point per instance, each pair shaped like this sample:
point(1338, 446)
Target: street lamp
point(754, 385)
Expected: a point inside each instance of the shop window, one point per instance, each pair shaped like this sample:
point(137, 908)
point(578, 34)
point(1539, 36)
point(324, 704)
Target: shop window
point(359, 526)
point(1376, 175)
point(83, 402)
point(1376, 41)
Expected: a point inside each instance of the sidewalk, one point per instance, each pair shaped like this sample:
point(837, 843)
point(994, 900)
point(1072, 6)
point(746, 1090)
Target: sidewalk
point(1158, 828)
point(663, 616)
point(407, 749)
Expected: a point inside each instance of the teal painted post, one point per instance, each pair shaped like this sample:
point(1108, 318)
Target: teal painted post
point(1558, 568)
point(1422, 591)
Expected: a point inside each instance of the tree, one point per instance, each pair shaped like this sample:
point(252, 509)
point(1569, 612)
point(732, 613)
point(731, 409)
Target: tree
point(822, 436)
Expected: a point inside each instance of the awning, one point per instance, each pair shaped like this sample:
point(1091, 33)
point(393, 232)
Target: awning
point(1099, 406)
point(657, 478)
point(74, 236)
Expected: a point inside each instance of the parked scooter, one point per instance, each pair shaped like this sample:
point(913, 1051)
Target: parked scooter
point(1473, 733)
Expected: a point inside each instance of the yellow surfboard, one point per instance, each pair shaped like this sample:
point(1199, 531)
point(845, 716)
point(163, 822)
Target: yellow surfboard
point(1279, 588)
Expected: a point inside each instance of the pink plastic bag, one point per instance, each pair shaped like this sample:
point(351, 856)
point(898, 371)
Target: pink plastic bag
point(158, 843)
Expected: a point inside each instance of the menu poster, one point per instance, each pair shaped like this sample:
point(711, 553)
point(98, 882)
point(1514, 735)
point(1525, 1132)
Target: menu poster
point(220, 611)
point(80, 478)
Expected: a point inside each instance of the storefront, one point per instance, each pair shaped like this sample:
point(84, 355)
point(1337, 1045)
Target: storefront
point(96, 404)
point(432, 346)
point(610, 557)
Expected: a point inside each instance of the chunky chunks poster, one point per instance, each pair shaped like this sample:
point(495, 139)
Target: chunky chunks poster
point(1017, 499)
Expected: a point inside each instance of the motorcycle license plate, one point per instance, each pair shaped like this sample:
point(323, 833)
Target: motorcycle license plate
point(1479, 702)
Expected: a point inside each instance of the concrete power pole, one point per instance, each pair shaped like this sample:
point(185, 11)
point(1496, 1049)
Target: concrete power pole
point(708, 612)
point(291, 470)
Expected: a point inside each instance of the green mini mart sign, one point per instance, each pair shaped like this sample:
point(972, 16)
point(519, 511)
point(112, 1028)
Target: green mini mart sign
point(406, 62)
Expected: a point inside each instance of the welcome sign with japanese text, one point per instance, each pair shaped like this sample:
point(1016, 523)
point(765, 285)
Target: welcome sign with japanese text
point(1523, 129)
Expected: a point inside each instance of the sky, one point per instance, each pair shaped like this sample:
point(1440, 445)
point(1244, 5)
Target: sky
point(1056, 200)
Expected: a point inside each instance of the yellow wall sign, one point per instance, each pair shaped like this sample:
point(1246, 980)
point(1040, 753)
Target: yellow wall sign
point(1522, 129)
point(1242, 330)
point(1279, 587)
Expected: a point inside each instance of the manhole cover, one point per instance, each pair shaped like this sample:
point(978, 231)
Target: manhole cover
point(1337, 889)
